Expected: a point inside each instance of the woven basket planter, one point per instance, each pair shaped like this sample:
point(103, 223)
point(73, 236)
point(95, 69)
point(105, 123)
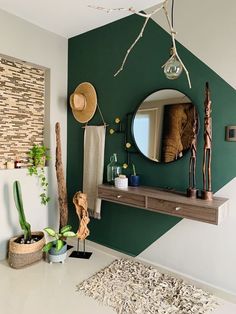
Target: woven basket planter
point(21, 255)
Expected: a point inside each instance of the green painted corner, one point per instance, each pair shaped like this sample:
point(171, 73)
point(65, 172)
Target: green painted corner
point(94, 57)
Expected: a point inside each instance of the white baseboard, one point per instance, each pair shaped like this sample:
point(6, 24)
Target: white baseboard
point(217, 291)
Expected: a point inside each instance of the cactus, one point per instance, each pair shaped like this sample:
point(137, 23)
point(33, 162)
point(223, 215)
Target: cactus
point(134, 170)
point(25, 226)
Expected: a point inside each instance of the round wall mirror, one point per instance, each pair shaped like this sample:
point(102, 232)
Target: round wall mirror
point(163, 125)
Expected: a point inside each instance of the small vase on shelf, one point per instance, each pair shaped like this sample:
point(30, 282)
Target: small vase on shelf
point(134, 179)
point(114, 169)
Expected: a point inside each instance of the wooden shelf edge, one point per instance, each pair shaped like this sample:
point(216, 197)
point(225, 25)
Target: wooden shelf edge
point(167, 202)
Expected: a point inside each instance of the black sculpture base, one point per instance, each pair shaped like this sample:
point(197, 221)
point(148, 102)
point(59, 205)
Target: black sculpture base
point(79, 254)
point(69, 247)
point(207, 195)
point(192, 192)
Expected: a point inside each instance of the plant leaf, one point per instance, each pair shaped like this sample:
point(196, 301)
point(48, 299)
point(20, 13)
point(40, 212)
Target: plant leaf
point(47, 246)
point(66, 228)
point(50, 231)
point(59, 244)
point(69, 234)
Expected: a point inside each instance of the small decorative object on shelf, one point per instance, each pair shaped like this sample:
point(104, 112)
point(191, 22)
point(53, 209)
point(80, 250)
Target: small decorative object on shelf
point(192, 191)
point(114, 169)
point(2, 165)
point(17, 163)
point(10, 164)
point(121, 182)
point(206, 168)
point(134, 179)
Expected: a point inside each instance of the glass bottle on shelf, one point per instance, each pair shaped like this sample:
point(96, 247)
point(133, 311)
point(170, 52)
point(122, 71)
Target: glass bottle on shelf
point(113, 169)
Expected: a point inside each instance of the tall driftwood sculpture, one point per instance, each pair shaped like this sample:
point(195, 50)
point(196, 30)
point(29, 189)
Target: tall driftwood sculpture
point(206, 167)
point(192, 191)
point(61, 184)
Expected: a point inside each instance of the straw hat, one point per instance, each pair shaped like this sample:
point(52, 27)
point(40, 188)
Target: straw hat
point(83, 102)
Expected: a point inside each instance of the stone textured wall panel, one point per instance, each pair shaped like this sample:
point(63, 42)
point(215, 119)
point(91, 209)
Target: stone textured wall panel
point(22, 95)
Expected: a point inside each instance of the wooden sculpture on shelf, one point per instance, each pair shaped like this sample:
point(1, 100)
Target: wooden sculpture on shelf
point(206, 167)
point(61, 183)
point(81, 205)
point(192, 191)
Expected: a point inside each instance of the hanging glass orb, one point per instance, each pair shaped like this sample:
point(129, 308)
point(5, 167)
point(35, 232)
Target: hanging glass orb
point(173, 68)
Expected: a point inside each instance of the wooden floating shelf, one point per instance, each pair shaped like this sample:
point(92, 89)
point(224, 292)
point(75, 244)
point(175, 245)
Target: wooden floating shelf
point(167, 202)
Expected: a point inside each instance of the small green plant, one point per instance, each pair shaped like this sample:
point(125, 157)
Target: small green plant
point(37, 158)
point(25, 226)
point(134, 170)
point(59, 237)
point(38, 154)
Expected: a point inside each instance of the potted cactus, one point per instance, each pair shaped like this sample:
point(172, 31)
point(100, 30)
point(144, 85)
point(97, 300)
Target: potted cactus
point(57, 248)
point(134, 179)
point(27, 248)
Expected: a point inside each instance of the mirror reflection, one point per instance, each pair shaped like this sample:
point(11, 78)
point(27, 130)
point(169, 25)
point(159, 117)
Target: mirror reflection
point(163, 125)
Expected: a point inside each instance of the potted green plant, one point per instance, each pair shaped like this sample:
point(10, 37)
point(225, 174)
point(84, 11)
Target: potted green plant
point(27, 248)
point(134, 179)
point(38, 155)
point(57, 248)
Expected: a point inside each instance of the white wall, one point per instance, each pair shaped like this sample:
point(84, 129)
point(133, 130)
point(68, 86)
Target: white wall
point(25, 41)
point(207, 29)
point(199, 250)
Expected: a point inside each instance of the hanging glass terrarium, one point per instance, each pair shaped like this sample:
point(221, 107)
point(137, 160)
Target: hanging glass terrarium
point(173, 67)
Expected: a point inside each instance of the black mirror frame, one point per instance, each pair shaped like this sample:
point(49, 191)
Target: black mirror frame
point(132, 126)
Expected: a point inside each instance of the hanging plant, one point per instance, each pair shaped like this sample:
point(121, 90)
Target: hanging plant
point(38, 155)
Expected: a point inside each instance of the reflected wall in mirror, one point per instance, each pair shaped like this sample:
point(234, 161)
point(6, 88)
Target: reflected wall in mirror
point(163, 125)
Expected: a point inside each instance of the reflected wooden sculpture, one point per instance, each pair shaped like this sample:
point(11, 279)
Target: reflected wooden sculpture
point(81, 205)
point(206, 167)
point(192, 191)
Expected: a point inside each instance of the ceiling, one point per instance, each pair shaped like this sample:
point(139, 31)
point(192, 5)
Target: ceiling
point(73, 17)
point(204, 35)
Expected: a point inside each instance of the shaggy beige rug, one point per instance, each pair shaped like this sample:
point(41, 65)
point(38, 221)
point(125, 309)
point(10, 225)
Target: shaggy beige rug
point(129, 286)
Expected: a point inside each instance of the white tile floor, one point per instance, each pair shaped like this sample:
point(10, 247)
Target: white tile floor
point(45, 288)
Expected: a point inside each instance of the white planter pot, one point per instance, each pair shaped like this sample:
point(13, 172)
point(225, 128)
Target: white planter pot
point(55, 256)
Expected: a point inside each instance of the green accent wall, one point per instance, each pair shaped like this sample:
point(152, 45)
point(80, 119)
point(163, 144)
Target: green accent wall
point(94, 57)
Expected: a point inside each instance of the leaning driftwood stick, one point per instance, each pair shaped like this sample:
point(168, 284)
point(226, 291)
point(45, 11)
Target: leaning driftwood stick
point(61, 184)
